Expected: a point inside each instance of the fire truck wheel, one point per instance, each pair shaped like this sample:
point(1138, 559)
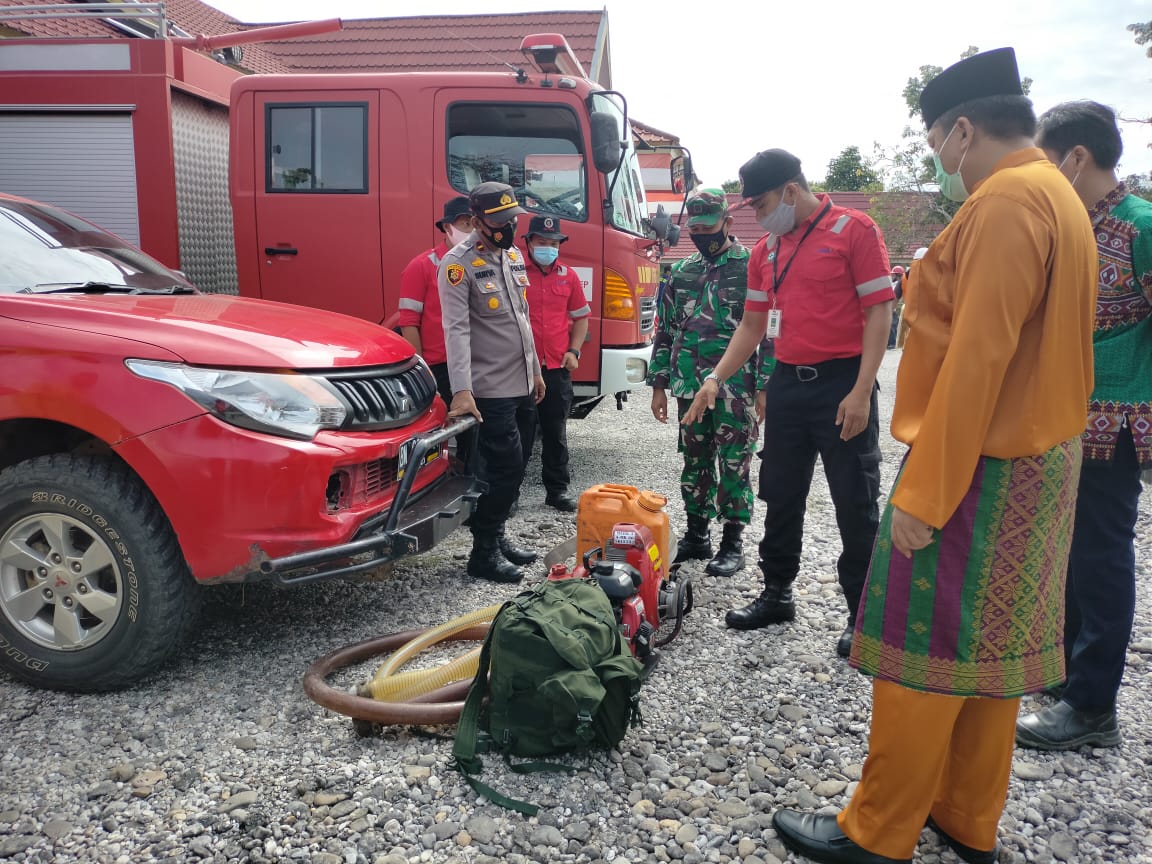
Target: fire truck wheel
point(94, 591)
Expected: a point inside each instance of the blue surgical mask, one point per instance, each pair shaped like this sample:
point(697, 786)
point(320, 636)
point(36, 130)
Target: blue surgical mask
point(545, 256)
point(781, 220)
point(951, 185)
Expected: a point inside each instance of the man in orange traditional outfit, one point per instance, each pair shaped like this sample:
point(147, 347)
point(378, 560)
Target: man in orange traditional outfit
point(962, 612)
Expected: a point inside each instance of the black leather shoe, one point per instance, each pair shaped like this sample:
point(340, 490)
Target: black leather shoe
point(844, 643)
point(818, 837)
point(966, 853)
point(1062, 727)
point(516, 554)
point(486, 562)
point(773, 606)
point(730, 556)
point(561, 501)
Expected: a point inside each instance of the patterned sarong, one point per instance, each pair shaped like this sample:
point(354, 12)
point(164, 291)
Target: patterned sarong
point(979, 611)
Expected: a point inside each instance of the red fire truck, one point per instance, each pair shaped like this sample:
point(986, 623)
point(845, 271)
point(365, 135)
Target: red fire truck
point(336, 181)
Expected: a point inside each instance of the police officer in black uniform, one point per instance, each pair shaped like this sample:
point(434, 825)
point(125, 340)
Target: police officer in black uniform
point(493, 368)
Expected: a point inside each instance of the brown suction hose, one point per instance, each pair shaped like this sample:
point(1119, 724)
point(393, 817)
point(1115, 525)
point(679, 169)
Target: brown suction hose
point(440, 707)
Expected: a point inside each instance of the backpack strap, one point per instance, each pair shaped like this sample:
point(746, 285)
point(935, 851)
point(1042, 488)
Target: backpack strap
point(464, 749)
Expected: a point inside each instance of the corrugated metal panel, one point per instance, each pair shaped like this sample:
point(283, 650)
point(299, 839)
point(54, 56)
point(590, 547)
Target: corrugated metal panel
point(85, 163)
point(204, 213)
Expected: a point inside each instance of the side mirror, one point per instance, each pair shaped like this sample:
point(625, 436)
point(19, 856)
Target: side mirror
point(673, 235)
point(676, 174)
point(660, 222)
point(606, 143)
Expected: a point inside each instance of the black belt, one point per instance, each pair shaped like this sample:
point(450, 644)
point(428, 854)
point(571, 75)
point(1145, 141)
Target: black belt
point(827, 369)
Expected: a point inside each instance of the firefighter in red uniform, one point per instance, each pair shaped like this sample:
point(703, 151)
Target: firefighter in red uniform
point(559, 313)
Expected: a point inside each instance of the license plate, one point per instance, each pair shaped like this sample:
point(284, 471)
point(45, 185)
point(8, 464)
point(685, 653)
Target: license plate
point(406, 450)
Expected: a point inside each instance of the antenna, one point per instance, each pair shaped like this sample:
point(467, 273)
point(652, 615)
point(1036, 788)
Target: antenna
point(521, 75)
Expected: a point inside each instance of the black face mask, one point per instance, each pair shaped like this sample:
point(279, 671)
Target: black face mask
point(710, 245)
point(502, 237)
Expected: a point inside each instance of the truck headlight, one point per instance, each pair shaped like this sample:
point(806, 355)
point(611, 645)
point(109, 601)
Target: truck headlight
point(295, 406)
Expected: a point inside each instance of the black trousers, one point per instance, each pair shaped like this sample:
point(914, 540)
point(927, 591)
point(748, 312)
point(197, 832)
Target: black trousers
point(465, 441)
point(800, 425)
point(507, 422)
point(1101, 593)
point(552, 416)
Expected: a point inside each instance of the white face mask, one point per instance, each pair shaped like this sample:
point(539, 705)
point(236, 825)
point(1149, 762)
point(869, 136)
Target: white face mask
point(1060, 168)
point(456, 236)
point(781, 220)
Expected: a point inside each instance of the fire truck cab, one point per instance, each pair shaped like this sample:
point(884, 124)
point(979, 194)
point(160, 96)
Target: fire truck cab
point(336, 182)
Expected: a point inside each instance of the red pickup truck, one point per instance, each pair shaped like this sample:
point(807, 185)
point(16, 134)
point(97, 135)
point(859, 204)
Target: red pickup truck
point(153, 439)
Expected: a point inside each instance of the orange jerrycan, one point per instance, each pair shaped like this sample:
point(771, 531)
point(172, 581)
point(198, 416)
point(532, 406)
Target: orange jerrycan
point(605, 504)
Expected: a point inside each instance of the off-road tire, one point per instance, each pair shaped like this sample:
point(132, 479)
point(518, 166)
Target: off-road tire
point(148, 598)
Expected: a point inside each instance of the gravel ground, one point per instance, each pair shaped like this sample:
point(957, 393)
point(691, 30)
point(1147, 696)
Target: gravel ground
point(224, 758)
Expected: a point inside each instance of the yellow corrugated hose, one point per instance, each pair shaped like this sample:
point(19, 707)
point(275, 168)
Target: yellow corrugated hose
point(389, 684)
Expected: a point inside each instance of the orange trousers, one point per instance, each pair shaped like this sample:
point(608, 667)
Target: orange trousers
point(950, 756)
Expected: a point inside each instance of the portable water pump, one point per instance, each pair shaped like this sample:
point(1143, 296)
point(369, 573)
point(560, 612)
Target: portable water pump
point(649, 597)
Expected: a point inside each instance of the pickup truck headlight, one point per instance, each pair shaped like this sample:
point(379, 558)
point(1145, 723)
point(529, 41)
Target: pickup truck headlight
point(295, 406)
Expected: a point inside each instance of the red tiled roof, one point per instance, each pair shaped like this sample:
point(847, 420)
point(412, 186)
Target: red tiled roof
point(57, 28)
point(917, 227)
point(438, 42)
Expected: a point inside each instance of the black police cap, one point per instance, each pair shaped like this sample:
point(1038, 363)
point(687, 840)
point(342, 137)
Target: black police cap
point(495, 202)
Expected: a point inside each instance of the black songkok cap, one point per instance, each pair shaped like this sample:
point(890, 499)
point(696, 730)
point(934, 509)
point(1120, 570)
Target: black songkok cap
point(992, 73)
point(768, 169)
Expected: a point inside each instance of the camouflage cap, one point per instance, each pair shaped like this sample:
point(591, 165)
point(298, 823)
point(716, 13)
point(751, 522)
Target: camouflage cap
point(706, 206)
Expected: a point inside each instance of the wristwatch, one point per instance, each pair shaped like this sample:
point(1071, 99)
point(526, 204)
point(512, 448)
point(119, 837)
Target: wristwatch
point(575, 351)
point(712, 376)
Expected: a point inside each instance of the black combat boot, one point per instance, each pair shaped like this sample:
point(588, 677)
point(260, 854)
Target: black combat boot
point(696, 544)
point(773, 606)
point(486, 561)
point(730, 556)
point(516, 554)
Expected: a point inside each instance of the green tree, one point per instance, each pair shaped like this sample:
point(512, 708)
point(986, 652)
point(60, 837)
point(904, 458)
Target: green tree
point(1143, 34)
point(730, 185)
point(849, 172)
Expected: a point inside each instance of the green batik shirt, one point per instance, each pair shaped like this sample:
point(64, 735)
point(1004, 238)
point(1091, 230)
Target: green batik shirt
point(700, 308)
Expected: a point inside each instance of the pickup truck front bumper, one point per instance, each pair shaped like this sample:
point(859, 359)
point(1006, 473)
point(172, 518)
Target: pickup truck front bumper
point(413, 523)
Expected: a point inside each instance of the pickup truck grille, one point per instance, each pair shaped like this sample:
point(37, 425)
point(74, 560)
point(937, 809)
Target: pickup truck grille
point(647, 313)
point(387, 397)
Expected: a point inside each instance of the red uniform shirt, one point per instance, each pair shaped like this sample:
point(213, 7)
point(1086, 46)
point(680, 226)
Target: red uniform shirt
point(555, 300)
point(839, 270)
point(420, 303)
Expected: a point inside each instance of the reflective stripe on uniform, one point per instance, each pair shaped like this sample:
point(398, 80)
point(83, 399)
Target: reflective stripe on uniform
point(581, 312)
point(562, 270)
point(434, 258)
point(873, 285)
point(411, 305)
point(841, 223)
point(758, 296)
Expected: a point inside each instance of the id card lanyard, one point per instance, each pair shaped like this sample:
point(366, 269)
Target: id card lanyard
point(774, 314)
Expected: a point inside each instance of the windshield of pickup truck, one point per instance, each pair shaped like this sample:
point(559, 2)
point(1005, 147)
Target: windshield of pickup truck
point(45, 246)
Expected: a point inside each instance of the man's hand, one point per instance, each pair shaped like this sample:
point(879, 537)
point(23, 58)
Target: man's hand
point(463, 403)
point(538, 388)
point(852, 415)
point(705, 401)
point(761, 406)
point(570, 362)
point(909, 534)
point(660, 404)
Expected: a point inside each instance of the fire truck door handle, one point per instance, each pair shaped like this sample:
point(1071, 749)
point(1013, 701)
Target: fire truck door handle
point(272, 250)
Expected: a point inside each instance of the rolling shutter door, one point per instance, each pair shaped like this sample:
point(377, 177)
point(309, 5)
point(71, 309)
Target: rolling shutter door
point(85, 163)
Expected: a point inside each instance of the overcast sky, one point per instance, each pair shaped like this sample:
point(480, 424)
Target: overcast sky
point(730, 78)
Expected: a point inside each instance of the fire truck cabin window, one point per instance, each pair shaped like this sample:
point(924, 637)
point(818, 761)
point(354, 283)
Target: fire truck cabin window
point(317, 148)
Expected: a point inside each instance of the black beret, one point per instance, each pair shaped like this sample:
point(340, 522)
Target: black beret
point(768, 169)
point(991, 73)
point(454, 208)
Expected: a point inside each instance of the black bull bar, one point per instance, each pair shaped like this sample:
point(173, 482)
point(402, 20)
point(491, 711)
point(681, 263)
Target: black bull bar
point(413, 523)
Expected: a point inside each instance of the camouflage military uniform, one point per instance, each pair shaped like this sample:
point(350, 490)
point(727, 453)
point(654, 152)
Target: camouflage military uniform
point(700, 308)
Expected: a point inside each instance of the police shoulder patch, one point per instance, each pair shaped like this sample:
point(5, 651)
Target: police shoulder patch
point(454, 274)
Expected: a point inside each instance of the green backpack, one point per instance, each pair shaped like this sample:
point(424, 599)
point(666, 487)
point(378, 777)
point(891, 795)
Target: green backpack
point(562, 680)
